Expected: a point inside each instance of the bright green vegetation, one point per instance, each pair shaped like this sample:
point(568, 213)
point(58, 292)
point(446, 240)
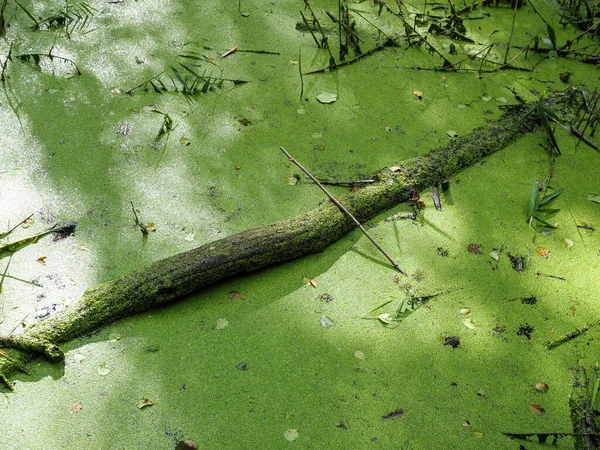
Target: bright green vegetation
point(76, 147)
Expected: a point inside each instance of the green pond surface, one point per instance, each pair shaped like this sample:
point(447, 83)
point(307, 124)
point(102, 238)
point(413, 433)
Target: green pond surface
point(260, 371)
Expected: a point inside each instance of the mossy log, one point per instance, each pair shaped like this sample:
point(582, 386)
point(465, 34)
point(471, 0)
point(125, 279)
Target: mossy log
point(587, 434)
point(177, 276)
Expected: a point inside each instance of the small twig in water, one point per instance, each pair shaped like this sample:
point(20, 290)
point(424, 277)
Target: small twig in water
point(343, 209)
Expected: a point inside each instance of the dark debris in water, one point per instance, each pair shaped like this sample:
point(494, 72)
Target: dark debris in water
point(526, 330)
point(396, 413)
point(518, 262)
point(63, 230)
point(452, 341)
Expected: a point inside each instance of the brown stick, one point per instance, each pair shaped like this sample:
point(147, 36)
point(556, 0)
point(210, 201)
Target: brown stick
point(344, 210)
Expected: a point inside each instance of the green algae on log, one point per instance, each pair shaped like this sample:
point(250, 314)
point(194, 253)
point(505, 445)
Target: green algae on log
point(583, 418)
point(177, 276)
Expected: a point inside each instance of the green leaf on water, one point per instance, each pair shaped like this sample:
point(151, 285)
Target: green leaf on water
point(326, 97)
point(548, 198)
point(594, 198)
point(533, 198)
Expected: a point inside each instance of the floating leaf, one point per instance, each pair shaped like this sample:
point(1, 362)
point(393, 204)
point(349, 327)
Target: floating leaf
point(221, 324)
point(103, 370)
point(41, 260)
point(543, 252)
point(144, 403)
point(238, 167)
point(501, 99)
point(326, 322)
point(341, 423)
point(418, 94)
point(292, 181)
point(189, 237)
point(452, 133)
point(114, 336)
point(184, 141)
point(480, 392)
point(235, 295)
point(76, 407)
point(568, 243)
point(312, 282)
point(465, 311)
point(291, 434)
point(242, 367)
point(475, 249)
point(395, 168)
point(326, 97)
point(536, 409)
point(467, 323)
point(541, 387)
point(385, 318)
point(594, 198)
point(494, 256)
point(359, 354)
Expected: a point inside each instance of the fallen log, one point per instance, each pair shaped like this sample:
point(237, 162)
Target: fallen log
point(177, 276)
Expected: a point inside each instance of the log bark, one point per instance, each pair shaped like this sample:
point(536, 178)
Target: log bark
point(180, 275)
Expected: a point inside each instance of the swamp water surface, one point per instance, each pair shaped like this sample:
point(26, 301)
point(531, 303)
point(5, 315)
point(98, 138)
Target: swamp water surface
point(248, 363)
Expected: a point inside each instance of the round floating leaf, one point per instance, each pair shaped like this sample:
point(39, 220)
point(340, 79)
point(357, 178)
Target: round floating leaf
point(451, 133)
point(291, 434)
point(221, 324)
point(326, 97)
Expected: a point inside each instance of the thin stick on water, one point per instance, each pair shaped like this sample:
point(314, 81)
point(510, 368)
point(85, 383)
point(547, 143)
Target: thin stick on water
point(344, 210)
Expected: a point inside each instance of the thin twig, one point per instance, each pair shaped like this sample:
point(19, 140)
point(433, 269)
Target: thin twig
point(2, 235)
point(343, 209)
point(300, 70)
point(512, 30)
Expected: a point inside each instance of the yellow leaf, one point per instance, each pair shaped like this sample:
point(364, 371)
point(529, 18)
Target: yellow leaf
point(291, 434)
point(359, 354)
point(385, 318)
point(145, 402)
point(469, 324)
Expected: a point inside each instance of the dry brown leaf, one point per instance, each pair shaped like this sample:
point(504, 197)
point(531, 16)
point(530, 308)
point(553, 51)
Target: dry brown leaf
point(475, 249)
point(543, 252)
point(41, 260)
point(235, 295)
point(76, 407)
point(536, 409)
